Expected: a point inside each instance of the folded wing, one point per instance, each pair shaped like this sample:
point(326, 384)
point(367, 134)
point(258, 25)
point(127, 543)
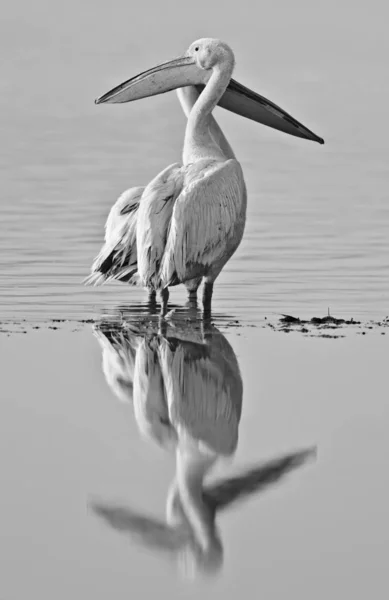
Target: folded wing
point(153, 223)
point(206, 221)
point(118, 257)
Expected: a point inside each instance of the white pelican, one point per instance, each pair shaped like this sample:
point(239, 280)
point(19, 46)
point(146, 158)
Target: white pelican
point(188, 221)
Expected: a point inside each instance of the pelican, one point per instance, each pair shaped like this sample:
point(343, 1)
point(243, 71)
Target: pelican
point(189, 220)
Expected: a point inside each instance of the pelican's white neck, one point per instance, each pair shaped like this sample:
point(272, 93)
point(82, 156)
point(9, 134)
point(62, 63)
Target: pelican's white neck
point(199, 143)
point(188, 97)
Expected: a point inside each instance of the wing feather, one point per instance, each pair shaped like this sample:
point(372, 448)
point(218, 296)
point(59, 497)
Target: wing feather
point(153, 223)
point(206, 220)
point(118, 257)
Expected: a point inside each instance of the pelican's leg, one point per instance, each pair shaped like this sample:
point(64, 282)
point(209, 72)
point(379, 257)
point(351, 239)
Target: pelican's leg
point(164, 300)
point(192, 286)
point(207, 296)
point(209, 281)
point(152, 301)
point(152, 294)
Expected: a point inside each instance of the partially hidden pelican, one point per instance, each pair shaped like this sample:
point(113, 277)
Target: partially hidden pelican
point(188, 221)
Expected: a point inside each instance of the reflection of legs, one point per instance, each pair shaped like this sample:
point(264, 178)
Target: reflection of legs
point(164, 300)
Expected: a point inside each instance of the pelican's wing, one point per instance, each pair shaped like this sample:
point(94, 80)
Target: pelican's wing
point(119, 351)
point(153, 224)
point(118, 258)
point(206, 217)
point(150, 408)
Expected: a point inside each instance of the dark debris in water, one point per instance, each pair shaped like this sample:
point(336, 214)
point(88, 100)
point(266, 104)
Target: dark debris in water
point(320, 326)
point(325, 327)
point(328, 320)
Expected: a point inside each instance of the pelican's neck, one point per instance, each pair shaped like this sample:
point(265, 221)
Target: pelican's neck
point(199, 143)
point(191, 468)
point(188, 97)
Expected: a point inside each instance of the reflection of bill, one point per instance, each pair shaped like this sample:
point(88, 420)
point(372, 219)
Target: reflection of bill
point(187, 393)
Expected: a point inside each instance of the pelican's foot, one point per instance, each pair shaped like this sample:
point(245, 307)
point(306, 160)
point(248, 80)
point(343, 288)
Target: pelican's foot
point(192, 286)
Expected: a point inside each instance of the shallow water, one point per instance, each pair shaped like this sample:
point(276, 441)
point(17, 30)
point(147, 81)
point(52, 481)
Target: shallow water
point(67, 444)
point(84, 507)
point(318, 217)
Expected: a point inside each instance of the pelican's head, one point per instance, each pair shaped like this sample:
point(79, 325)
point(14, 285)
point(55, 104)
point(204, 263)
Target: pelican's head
point(209, 52)
point(194, 68)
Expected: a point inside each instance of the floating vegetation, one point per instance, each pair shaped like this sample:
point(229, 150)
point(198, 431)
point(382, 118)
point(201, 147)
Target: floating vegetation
point(320, 326)
point(326, 327)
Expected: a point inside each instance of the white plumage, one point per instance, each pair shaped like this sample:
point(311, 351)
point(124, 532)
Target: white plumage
point(186, 224)
point(189, 220)
point(118, 257)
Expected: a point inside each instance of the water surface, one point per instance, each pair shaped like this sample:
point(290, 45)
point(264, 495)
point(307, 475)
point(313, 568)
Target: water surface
point(66, 442)
point(317, 237)
point(318, 219)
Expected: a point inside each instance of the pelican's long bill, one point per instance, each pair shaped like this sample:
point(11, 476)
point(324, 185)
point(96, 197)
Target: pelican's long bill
point(184, 71)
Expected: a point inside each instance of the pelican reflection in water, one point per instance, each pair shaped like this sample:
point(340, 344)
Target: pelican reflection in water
point(186, 389)
point(189, 220)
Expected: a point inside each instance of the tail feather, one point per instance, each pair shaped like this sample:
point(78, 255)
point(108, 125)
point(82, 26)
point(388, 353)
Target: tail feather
point(129, 275)
point(108, 267)
point(117, 260)
point(94, 279)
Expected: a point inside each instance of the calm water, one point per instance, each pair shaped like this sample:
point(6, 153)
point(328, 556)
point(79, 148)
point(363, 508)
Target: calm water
point(318, 218)
point(67, 445)
point(88, 507)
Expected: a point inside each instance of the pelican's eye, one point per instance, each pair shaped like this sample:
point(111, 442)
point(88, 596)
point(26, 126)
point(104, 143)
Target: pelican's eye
point(196, 49)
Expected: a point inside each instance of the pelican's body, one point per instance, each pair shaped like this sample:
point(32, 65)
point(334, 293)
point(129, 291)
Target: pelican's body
point(182, 227)
point(189, 220)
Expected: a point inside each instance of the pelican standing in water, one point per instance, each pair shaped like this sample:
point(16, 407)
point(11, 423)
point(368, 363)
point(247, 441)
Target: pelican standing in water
point(188, 221)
